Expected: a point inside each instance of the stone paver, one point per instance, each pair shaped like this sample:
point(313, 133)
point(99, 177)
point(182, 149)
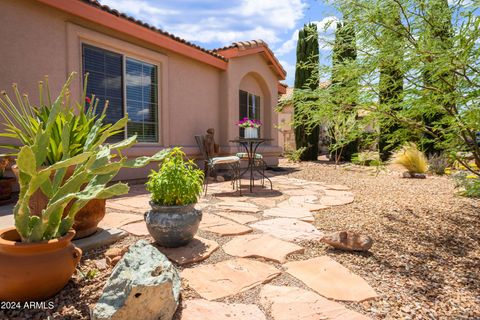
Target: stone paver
point(117, 219)
point(222, 226)
point(288, 229)
point(331, 279)
point(196, 250)
point(296, 213)
point(136, 228)
point(124, 208)
point(100, 238)
point(238, 206)
point(209, 310)
point(288, 303)
point(337, 187)
point(300, 192)
point(140, 201)
point(336, 198)
point(226, 278)
point(310, 203)
point(261, 245)
point(237, 217)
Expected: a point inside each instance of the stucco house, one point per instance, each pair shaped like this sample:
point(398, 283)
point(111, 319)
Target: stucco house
point(172, 89)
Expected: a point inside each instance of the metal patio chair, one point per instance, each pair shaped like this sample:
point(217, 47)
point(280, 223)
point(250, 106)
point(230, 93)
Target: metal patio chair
point(210, 164)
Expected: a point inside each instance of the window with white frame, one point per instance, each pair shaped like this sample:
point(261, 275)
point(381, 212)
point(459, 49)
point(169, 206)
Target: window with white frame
point(249, 106)
point(130, 86)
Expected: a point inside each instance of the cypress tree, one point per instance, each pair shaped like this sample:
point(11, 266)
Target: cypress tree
point(345, 83)
point(391, 75)
point(437, 39)
point(306, 77)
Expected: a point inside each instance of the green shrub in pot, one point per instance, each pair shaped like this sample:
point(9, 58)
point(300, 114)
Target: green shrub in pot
point(175, 188)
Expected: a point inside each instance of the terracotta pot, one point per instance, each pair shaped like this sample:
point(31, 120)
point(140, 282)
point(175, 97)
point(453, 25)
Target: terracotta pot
point(6, 188)
point(86, 220)
point(35, 271)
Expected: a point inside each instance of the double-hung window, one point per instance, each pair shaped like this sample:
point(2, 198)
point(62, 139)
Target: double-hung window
point(249, 106)
point(130, 86)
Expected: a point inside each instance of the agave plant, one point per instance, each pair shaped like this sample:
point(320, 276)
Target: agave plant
point(412, 159)
point(93, 168)
point(22, 121)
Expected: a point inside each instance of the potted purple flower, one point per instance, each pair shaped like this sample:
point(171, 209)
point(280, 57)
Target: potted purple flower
point(251, 127)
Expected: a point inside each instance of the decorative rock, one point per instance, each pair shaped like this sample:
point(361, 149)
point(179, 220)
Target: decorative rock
point(261, 245)
point(336, 198)
point(113, 255)
point(296, 213)
point(226, 278)
point(224, 227)
point(100, 238)
point(100, 264)
point(331, 279)
point(117, 220)
point(143, 285)
point(220, 179)
point(136, 228)
point(288, 229)
point(407, 174)
point(348, 240)
point(204, 309)
point(237, 217)
point(288, 303)
point(196, 250)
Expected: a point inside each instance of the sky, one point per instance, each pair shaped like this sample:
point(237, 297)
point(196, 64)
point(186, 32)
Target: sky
point(215, 23)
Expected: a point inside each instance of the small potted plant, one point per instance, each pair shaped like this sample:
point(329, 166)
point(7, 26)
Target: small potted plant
point(175, 187)
point(5, 182)
point(250, 126)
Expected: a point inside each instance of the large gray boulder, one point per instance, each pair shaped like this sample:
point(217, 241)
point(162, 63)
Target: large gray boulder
point(143, 285)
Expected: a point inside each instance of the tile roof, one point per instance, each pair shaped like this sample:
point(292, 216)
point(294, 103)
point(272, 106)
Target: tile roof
point(115, 12)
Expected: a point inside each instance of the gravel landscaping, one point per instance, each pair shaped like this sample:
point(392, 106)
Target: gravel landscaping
point(423, 264)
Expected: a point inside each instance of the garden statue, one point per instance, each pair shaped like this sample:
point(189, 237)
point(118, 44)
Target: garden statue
point(210, 146)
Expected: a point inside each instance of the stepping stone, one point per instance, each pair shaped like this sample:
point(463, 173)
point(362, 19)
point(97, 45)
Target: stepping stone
point(204, 309)
point(121, 207)
point(100, 238)
point(287, 303)
point(331, 279)
point(227, 278)
point(196, 250)
point(237, 217)
point(338, 187)
point(136, 228)
point(262, 246)
point(239, 206)
point(306, 202)
point(296, 213)
point(224, 227)
point(117, 219)
point(266, 202)
point(336, 198)
point(300, 192)
point(288, 229)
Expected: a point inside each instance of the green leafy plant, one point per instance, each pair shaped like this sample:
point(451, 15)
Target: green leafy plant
point(93, 170)
point(177, 182)
point(469, 184)
point(367, 158)
point(22, 121)
point(295, 155)
point(410, 158)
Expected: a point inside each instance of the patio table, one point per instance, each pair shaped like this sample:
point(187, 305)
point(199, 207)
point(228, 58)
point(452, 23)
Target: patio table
point(251, 145)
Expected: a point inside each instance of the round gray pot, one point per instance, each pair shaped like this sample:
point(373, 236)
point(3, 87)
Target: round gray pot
point(172, 226)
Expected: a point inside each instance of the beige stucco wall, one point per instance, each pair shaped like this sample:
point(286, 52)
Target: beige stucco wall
point(36, 40)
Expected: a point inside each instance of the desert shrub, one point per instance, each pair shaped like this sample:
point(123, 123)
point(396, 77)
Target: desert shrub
point(410, 158)
point(295, 155)
point(468, 183)
point(367, 158)
point(437, 164)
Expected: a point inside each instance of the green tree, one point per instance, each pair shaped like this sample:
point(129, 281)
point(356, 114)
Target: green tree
point(344, 87)
point(391, 47)
point(306, 78)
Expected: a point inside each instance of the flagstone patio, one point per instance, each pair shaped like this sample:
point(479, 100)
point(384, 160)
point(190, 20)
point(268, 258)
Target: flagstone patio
point(255, 234)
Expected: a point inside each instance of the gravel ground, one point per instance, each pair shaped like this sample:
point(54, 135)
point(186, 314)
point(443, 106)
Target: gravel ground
point(424, 263)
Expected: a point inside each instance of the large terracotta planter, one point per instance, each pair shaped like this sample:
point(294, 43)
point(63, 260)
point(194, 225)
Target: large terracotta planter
point(172, 226)
point(86, 220)
point(35, 271)
point(6, 188)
